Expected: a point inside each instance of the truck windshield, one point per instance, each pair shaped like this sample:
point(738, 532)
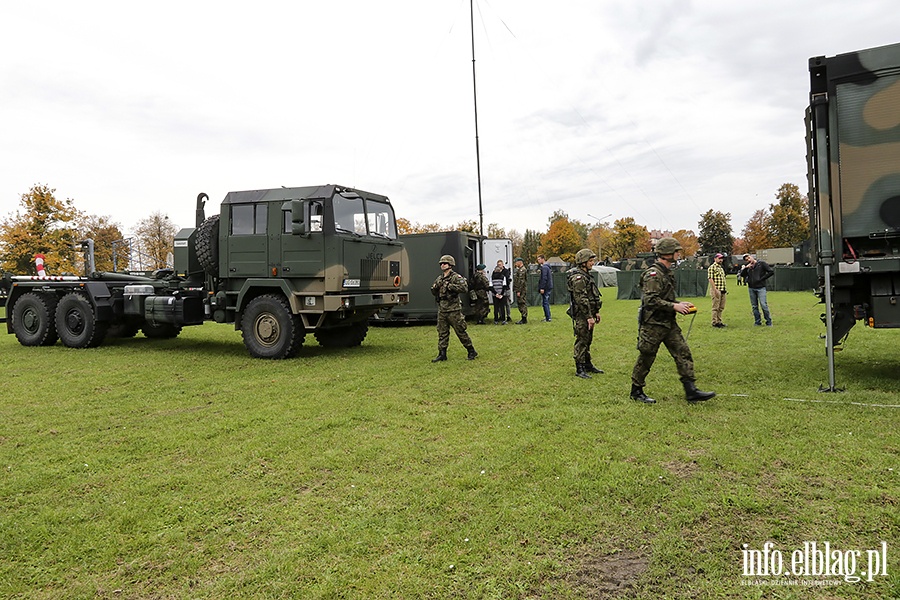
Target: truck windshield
point(363, 217)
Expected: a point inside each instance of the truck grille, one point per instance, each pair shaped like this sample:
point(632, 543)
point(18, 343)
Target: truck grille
point(374, 270)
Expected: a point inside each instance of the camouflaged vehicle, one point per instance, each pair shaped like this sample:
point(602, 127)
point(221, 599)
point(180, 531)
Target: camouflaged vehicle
point(853, 158)
point(277, 263)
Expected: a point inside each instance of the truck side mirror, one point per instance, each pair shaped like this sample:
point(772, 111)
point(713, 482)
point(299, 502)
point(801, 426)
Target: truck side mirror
point(299, 221)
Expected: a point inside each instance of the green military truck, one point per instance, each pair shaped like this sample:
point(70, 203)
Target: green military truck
point(277, 263)
point(853, 159)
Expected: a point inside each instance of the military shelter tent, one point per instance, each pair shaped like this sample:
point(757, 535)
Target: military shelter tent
point(689, 282)
point(607, 276)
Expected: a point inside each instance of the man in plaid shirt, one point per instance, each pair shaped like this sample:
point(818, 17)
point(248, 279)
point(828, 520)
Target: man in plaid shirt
point(716, 276)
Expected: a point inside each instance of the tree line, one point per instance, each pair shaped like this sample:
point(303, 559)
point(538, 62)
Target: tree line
point(45, 224)
point(54, 227)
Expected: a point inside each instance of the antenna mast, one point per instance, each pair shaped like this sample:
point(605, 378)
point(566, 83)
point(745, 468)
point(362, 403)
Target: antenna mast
point(475, 104)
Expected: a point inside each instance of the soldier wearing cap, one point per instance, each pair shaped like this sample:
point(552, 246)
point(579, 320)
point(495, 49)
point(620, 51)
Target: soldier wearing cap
point(446, 289)
point(520, 289)
point(584, 309)
point(480, 286)
point(658, 325)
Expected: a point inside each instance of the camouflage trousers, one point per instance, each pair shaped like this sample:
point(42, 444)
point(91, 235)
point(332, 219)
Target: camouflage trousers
point(584, 336)
point(481, 306)
point(522, 305)
point(452, 319)
point(649, 339)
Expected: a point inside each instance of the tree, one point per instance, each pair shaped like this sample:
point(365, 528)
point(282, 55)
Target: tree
point(629, 239)
point(518, 242)
point(46, 225)
point(715, 232)
point(600, 239)
point(470, 226)
point(531, 241)
point(104, 232)
point(403, 226)
point(496, 232)
point(789, 221)
point(756, 233)
point(561, 240)
point(155, 237)
point(688, 240)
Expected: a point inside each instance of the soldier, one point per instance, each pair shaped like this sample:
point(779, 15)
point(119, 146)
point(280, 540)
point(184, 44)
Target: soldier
point(584, 309)
point(446, 289)
point(480, 286)
point(658, 325)
point(520, 288)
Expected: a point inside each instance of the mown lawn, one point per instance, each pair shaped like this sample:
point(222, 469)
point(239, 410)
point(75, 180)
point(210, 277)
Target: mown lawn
point(186, 469)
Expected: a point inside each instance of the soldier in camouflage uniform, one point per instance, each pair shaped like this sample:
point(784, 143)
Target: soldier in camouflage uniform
point(481, 285)
point(446, 289)
point(658, 325)
point(585, 310)
point(520, 289)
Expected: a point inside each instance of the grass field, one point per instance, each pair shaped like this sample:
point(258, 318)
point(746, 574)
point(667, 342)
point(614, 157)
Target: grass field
point(185, 469)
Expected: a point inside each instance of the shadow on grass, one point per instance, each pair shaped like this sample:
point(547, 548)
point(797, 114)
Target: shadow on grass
point(224, 348)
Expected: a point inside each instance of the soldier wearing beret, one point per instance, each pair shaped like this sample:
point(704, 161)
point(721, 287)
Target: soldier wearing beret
point(520, 289)
point(584, 309)
point(658, 325)
point(446, 289)
point(480, 286)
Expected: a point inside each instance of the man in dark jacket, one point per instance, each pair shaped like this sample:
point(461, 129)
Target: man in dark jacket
point(545, 285)
point(757, 272)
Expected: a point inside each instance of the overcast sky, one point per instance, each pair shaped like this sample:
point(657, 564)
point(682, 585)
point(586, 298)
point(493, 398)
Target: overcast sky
point(654, 109)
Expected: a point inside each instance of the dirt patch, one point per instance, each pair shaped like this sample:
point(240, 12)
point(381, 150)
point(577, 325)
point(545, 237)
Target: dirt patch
point(613, 576)
point(681, 469)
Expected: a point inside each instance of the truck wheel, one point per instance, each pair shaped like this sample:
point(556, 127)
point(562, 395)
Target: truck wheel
point(208, 245)
point(162, 331)
point(343, 337)
point(270, 329)
point(32, 319)
point(76, 324)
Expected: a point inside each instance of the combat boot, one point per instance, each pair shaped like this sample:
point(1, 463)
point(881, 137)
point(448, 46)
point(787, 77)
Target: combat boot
point(442, 355)
point(694, 395)
point(472, 353)
point(637, 393)
point(590, 368)
point(580, 372)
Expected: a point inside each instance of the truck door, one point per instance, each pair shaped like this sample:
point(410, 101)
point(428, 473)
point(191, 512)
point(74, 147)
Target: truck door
point(248, 241)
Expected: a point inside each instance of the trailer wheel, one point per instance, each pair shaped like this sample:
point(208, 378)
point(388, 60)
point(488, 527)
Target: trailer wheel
point(343, 337)
point(270, 329)
point(208, 245)
point(76, 323)
point(162, 331)
point(32, 319)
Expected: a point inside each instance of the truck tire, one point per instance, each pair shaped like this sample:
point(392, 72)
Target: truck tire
point(162, 331)
point(343, 337)
point(76, 323)
point(33, 319)
point(270, 329)
point(208, 245)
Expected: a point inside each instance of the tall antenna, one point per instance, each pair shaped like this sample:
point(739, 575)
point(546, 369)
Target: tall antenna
point(475, 103)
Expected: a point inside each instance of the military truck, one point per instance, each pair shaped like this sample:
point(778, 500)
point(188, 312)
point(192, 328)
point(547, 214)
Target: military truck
point(853, 159)
point(277, 263)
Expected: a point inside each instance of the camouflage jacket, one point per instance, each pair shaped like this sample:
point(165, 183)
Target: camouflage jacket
point(480, 284)
point(520, 281)
point(658, 295)
point(447, 288)
point(585, 293)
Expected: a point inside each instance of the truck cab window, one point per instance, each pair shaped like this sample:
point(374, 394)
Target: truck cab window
point(349, 215)
point(248, 219)
point(381, 219)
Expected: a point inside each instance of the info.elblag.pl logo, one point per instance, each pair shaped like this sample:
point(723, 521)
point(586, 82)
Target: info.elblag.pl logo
point(814, 560)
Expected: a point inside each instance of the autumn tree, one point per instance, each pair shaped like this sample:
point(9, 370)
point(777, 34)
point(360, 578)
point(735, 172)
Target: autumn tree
point(561, 240)
point(518, 242)
point(756, 233)
point(789, 221)
point(471, 226)
point(104, 232)
point(688, 240)
point(155, 237)
point(43, 225)
point(601, 239)
point(715, 232)
point(629, 239)
point(531, 242)
point(496, 232)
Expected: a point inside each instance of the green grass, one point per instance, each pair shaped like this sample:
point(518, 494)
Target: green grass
point(185, 469)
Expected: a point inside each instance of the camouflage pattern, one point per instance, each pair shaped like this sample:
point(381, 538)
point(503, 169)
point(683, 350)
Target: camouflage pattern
point(520, 290)
point(659, 326)
point(446, 289)
point(481, 285)
point(853, 146)
point(585, 305)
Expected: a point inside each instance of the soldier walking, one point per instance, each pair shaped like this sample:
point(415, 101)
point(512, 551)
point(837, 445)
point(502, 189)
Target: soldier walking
point(446, 289)
point(520, 289)
point(658, 325)
point(480, 286)
point(584, 308)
